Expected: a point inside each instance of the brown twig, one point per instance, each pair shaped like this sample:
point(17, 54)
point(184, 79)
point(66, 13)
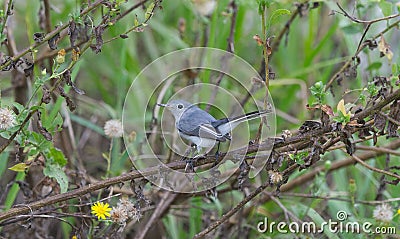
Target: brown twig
point(375, 169)
point(378, 149)
point(360, 45)
point(366, 21)
point(231, 212)
point(161, 208)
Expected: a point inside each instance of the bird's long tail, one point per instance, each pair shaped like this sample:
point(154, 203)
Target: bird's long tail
point(231, 123)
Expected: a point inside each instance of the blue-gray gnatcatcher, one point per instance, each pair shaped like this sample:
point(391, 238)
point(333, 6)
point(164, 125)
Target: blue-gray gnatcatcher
point(201, 128)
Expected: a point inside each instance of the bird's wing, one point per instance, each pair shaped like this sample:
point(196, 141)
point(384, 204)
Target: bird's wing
point(206, 131)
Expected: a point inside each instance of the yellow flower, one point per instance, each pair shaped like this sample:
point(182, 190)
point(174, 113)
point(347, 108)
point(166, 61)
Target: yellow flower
point(101, 210)
point(74, 237)
point(398, 211)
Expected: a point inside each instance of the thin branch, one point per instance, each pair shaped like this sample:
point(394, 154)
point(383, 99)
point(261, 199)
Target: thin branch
point(366, 21)
point(231, 212)
point(375, 169)
point(378, 149)
point(362, 46)
point(390, 119)
point(161, 208)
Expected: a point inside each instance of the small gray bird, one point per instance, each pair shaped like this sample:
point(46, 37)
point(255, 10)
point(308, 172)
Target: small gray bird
point(201, 128)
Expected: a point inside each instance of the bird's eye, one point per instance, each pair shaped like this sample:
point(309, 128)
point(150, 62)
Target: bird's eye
point(180, 106)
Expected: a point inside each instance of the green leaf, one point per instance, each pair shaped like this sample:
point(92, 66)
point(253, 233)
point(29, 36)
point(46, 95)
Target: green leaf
point(374, 66)
point(386, 8)
point(19, 167)
point(37, 107)
point(56, 172)
point(3, 162)
point(276, 14)
point(86, 123)
point(351, 29)
point(18, 106)
point(57, 156)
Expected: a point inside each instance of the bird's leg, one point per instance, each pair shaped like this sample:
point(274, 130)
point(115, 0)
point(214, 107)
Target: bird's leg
point(187, 153)
point(217, 154)
point(190, 161)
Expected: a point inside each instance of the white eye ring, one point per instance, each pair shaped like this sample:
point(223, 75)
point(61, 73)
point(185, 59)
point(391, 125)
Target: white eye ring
point(180, 106)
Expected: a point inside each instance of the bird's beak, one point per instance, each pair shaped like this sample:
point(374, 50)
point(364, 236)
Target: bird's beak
point(162, 105)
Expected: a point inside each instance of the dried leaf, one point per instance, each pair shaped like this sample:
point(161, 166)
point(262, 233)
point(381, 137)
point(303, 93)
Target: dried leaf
point(38, 36)
point(345, 138)
point(327, 109)
point(257, 38)
point(68, 81)
point(28, 70)
point(70, 103)
point(53, 41)
point(394, 113)
point(310, 125)
point(384, 48)
point(379, 122)
point(46, 95)
point(98, 31)
point(73, 33)
point(76, 53)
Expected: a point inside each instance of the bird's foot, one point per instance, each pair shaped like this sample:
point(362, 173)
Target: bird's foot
point(217, 154)
point(189, 168)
